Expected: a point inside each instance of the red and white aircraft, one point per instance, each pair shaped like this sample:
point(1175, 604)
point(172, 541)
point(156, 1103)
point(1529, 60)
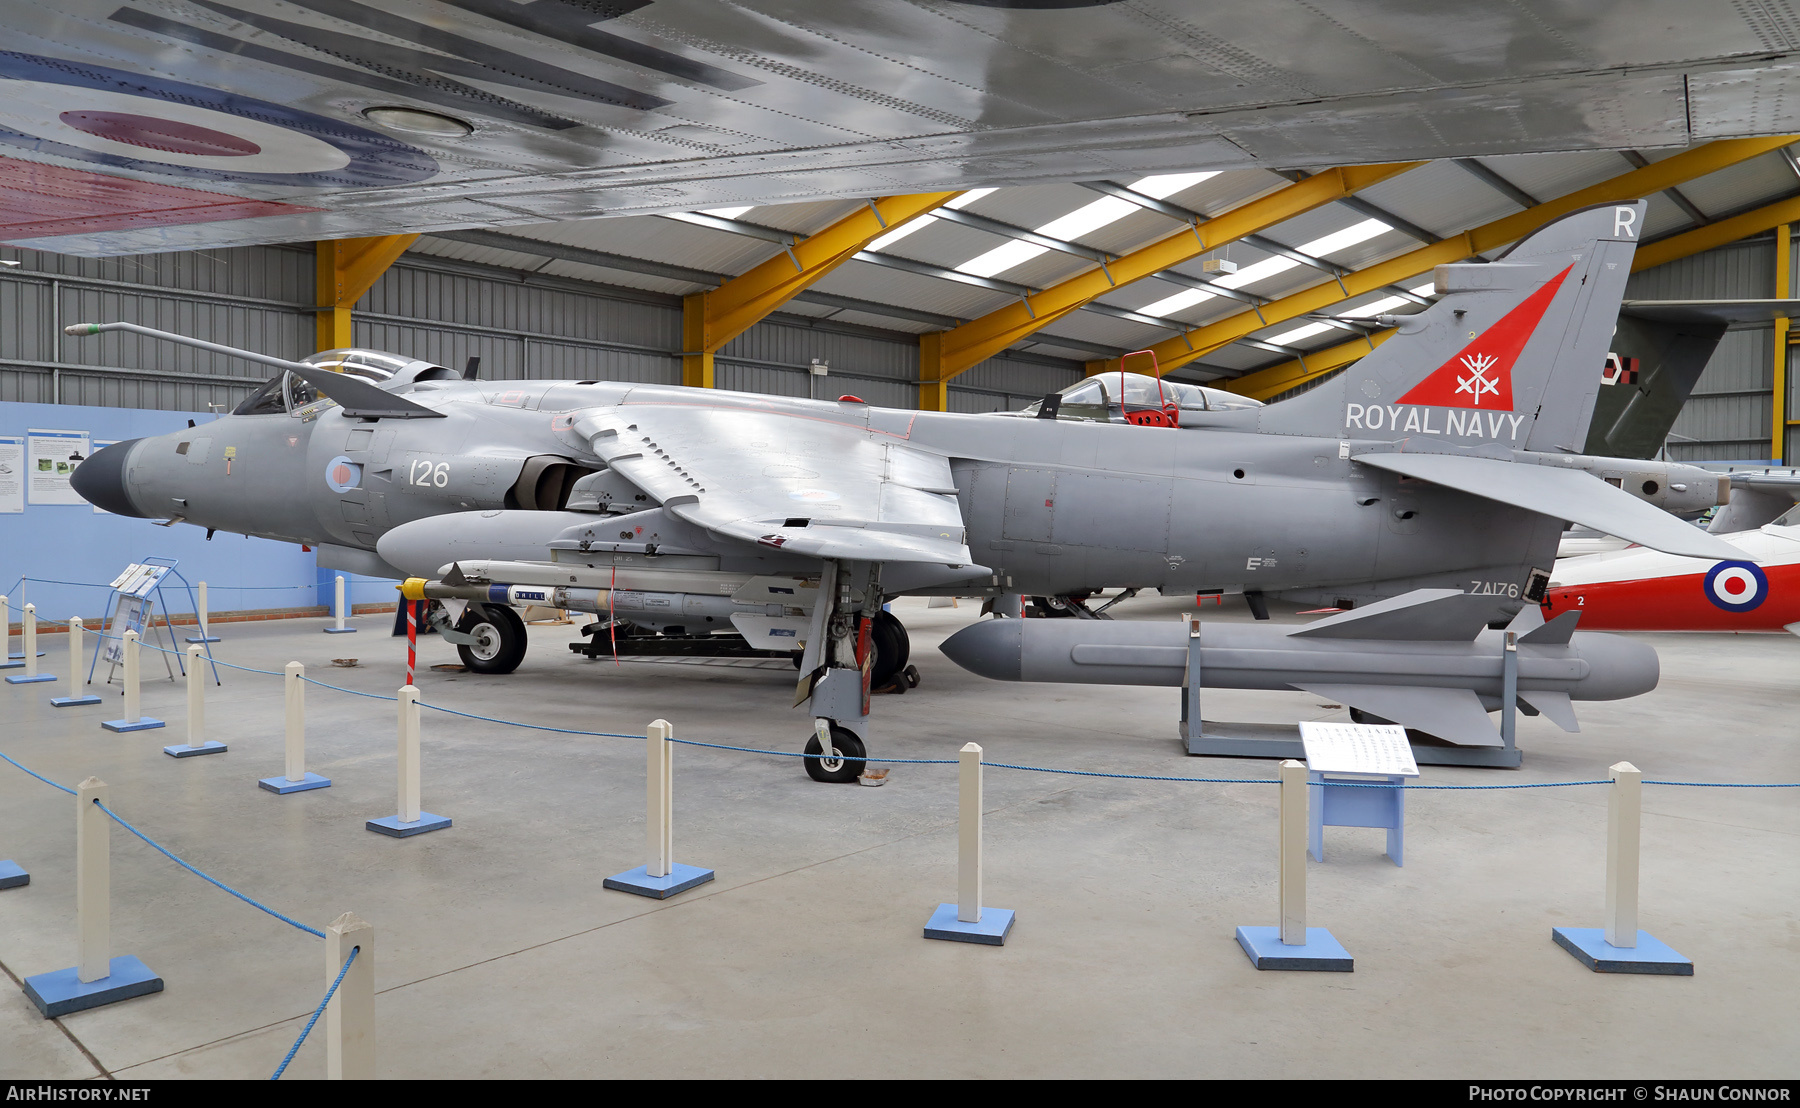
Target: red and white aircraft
point(1638, 589)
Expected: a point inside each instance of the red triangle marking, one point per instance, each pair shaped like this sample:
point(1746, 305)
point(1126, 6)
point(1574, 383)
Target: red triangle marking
point(1480, 375)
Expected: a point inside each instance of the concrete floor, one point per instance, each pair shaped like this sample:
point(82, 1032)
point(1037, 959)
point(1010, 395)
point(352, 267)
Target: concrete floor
point(499, 954)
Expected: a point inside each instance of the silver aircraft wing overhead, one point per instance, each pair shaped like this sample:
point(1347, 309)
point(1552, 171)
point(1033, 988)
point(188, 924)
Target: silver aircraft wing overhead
point(799, 483)
point(1570, 494)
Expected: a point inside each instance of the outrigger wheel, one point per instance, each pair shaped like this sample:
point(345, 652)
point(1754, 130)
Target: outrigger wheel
point(893, 648)
point(845, 762)
point(499, 635)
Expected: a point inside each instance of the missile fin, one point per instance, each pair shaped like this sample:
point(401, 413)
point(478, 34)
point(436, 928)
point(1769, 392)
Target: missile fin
point(1432, 615)
point(1555, 633)
point(1454, 715)
point(1554, 705)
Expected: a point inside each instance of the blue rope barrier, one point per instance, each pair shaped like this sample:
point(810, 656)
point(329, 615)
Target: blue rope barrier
point(527, 726)
point(319, 1011)
point(40, 776)
point(210, 585)
point(205, 877)
point(1728, 784)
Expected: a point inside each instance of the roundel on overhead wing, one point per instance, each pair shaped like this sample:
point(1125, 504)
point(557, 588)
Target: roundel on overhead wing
point(1736, 586)
point(108, 117)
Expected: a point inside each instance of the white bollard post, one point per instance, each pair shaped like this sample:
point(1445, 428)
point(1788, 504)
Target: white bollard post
point(294, 778)
point(342, 610)
point(93, 879)
point(967, 921)
point(196, 710)
point(295, 690)
point(6, 654)
point(409, 754)
point(132, 715)
point(1624, 812)
point(411, 819)
point(30, 638)
point(134, 719)
point(659, 818)
point(968, 834)
point(97, 977)
point(350, 1017)
point(76, 696)
point(196, 699)
point(660, 876)
point(31, 676)
point(200, 612)
point(1293, 852)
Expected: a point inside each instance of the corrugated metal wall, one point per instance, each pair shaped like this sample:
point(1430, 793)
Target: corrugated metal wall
point(445, 311)
point(1728, 416)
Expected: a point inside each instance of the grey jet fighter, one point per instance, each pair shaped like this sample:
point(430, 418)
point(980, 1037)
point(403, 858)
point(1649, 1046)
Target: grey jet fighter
point(1447, 458)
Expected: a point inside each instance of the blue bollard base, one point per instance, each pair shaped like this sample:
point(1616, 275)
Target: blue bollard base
point(994, 926)
point(17, 654)
point(11, 875)
point(1268, 952)
point(1590, 948)
point(73, 701)
point(60, 992)
point(144, 723)
point(282, 786)
point(391, 825)
point(679, 879)
point(211, 746)
point(200, 639)
point(340, 630)
point(9, 664)
point(22, 679)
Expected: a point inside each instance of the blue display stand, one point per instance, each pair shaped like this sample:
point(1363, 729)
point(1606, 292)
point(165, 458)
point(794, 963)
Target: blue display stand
point(1335, 805)
point(1590, 948)
point(340, 630)
point(1268, 952)
point(12, 875)
point(990, 930)
point(143, 723)
point(210, 746)
point(73, 701)
point(679, 879)
point(60, 992)
point(21, 679)
point(282, 786)
point(391, 825)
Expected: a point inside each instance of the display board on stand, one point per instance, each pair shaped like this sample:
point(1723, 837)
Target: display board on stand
point(137, 597)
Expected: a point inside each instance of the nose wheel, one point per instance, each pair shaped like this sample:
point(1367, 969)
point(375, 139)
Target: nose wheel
point(842, 764)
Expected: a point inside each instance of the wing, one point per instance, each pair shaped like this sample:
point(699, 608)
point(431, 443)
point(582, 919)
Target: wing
point(797, 482)
point(1570, 494)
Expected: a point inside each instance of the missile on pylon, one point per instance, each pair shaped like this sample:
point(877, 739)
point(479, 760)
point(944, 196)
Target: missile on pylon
point(1425, 659)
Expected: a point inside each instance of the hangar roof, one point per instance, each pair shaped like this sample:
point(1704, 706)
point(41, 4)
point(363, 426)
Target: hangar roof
point(990, 249)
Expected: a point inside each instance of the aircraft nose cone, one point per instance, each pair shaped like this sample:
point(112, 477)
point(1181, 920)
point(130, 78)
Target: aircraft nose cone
point(101, 479)
point(992, 648)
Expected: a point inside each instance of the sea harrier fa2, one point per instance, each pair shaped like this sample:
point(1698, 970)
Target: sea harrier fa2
point(1446, 458)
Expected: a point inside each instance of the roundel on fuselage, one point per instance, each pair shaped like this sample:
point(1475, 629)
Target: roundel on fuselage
point(1736, 586)
point(108, 117)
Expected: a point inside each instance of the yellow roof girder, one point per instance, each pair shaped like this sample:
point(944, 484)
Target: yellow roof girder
point(1276, 379)
point(964, 347)
point(344, 269)
point(734, 307)
point(1683, 167)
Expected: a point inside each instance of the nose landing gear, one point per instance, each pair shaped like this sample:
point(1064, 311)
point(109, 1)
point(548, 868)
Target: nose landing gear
point(843, 763)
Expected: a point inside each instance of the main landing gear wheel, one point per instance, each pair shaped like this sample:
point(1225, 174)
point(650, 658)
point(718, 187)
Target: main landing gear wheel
point(499, 635)
point(892, 648)
point(843, 765)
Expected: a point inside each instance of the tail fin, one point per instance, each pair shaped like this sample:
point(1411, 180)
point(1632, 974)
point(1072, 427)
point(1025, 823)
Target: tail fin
point(1511, 354)
point(1658, 353)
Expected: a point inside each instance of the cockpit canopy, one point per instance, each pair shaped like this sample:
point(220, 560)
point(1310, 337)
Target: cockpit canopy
point(1104, 397)
point(288, 393)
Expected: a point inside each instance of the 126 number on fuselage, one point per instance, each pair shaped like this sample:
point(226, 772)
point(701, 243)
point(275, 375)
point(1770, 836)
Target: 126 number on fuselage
point(428, 474)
